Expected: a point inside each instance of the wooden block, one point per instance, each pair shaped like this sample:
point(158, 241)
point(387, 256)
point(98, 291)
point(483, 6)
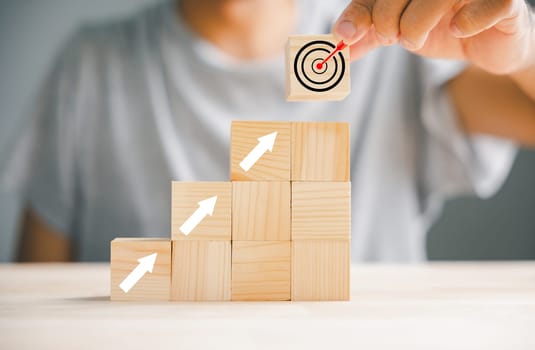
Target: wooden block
point(261, 270)
point(321, 210)
point(261, 211)
point(305, 80)
point(185, 202)
point(247, 140)
point(320, 152)
point(201, 271)
point(320, 270)
point(125, 255)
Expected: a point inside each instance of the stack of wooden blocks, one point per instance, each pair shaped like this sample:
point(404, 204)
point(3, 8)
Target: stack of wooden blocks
point(280, 230)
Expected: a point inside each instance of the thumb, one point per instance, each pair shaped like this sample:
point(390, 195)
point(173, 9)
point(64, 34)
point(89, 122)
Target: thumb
point(354, 22)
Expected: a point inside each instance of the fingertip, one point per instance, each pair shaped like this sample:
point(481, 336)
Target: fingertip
point(455, 30)
point(353, 24)
point(345, 31)
point(364, 46)
point(408, 45)
point(385, 40)
point(348, 32)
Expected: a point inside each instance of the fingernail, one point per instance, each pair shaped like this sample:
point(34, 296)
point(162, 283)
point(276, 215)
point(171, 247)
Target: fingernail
point(407, 44)
point(383, 40)
point(346, 30)
point(456, 31)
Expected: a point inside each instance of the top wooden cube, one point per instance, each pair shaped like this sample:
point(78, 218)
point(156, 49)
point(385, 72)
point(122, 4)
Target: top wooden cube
point(320, 152)
point(311, 74)
point(260, 151)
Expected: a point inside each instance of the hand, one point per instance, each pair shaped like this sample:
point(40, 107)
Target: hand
point(495, 35)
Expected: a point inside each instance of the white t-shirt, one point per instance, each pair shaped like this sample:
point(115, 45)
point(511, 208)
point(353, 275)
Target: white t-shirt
point(131, 105)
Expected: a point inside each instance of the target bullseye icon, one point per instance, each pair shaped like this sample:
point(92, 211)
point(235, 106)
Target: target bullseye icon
point(314, 75)
point(317, 68)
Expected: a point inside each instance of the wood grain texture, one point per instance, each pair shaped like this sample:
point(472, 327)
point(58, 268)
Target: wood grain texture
point(431, 305)
point(272, 166)
point(320, 152)
point(295, 91)
point(125, 253)
point(320, 270)
point(184, 202)
point(321, 210)
point(261, 211)
point(261, 270)
point(201, 271)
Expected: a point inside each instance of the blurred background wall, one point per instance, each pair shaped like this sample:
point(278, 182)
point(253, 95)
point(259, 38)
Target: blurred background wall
point(31, 31)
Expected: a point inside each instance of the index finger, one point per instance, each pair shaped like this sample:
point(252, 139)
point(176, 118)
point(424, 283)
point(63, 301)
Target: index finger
point(355, 21)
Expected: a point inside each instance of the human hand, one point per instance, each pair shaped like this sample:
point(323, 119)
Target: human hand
point(495, 35)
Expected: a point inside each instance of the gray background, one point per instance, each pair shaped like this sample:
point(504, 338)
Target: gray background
point(32, 31)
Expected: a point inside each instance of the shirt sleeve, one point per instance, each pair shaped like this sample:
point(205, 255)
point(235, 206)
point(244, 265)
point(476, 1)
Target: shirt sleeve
point(39, 161)
point(455, 163)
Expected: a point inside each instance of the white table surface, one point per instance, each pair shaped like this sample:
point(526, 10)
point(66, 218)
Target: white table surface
point(431, 306)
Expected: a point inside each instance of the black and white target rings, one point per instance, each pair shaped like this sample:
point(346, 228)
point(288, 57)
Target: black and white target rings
point(310, 70)
point(309, 76)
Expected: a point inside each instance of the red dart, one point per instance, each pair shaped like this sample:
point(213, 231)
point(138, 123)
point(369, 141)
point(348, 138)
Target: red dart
point(341, 45)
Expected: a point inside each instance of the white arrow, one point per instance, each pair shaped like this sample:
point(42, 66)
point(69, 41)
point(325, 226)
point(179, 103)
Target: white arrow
point(206, 207)
point(145, 264)
point(265, 143)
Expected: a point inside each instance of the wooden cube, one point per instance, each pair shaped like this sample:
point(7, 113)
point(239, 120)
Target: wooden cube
point(308, 76)
point(320, 270)
point(320, 152)
point(261, 211)
point(260, 151)
point(321, 210)
point(140, 269)
point(201, 271)
point(197, 215)
point(261, 270)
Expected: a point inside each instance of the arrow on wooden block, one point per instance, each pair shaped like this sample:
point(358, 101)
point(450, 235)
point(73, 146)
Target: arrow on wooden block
point(265, 143)
point(206, 207)
point(146, 264)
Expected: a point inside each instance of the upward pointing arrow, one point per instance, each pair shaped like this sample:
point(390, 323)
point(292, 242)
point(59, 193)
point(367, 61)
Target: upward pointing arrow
point(265, 143)
point(206, 207)
point(146, 264)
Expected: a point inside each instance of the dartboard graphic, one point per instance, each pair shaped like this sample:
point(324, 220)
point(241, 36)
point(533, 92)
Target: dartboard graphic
point(314, 77)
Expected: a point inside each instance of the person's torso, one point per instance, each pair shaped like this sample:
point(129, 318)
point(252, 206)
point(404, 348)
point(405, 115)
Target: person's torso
point(163, 101)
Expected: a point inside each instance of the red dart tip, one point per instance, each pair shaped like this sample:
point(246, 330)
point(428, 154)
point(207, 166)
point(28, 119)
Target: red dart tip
point(319, 65)
point(341, 45)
